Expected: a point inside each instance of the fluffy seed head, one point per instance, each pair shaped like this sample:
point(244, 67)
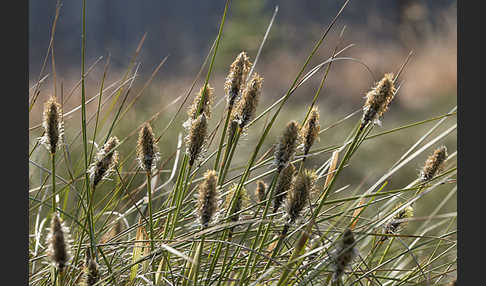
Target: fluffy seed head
point(260, 190)
point(105, 161)
point(285, 149)
point(207, 198)
point(146, 149)
point(378, 99)
point(53, 125)
point(58, 246)
point(241, 200)
point(248, 103)
point(208, 98)
point(196, 138)
point(91, 273)
point(310, 130)
point(344, 254)
point(398, 222)
point(434, 164)
point(236, 77)
point(302, 186)
point(283, 185)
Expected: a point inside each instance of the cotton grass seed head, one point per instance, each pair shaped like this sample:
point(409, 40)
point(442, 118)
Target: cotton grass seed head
point(286, 147)
point(260, 190)
point(53, 125)
point(58, 244)
point(299, 193)
point(434, 164)
point(197, 108)
point(236, 77)
point(196, 138)
point(105, 162)
point(310, 130)
point(147, 151)
point(207, 202)
point(249, 100)
point(344, 254)
point(378, 100)
point(283, 185)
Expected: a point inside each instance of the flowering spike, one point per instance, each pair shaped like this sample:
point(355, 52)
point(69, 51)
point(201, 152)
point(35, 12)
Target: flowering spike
point(378, 99)
point(249, 101)
point(236, 77)
point(53, 125)
point(105, 162)
point(207, 198)
point(147, 154)
point(434, 164)
point(196, 138)
point(285, 150)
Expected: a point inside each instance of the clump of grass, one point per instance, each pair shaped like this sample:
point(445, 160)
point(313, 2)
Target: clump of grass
point(209, 251)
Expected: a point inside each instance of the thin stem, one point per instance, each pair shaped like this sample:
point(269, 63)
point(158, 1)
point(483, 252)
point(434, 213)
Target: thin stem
point(151, 222)
point(53, 175)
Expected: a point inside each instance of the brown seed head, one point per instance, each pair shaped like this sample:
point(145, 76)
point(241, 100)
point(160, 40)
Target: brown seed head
point(53, 125)
point(285, 149)
point(310, 130)
point(146, 149)
point(91, 272)
point(260, 190)
point(105, 162)
point(207, 198)
point(344, 253)
point(378, 99)
point(236, 77)
point(205, 106)
point(434, 164)
point(249, 101)
point(302, 186)
point(58, 250)
point(283, 185)
point(196, 138)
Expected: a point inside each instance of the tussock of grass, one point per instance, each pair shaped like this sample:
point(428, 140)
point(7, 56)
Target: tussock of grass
point(181, 215)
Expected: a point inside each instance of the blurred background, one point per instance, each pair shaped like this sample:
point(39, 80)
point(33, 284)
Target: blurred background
point(383, 32)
